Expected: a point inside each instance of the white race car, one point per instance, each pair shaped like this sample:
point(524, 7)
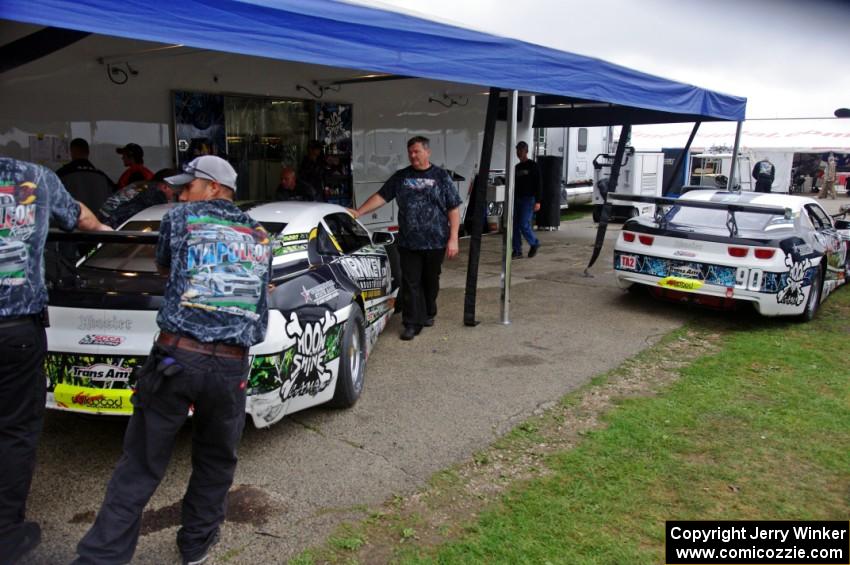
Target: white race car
point(782, 254)
point(334, 288)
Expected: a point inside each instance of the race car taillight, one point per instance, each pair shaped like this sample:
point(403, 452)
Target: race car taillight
point(646, 239)
point(765, 253)
point(628, 236)
point(738, 251)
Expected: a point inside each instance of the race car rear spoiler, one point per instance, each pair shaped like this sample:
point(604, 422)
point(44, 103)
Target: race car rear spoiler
point(129, 237)
point(730, 207)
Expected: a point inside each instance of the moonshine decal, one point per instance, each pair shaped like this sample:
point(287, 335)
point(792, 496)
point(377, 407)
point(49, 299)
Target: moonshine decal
point(309, 375)
point(792, 292)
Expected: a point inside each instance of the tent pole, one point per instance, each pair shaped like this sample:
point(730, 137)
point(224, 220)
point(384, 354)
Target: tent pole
point(507, 249)
point(730, 182)
point(478, 209)
point(680, 159)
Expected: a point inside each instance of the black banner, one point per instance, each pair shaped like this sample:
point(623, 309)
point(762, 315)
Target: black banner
point(757, 542)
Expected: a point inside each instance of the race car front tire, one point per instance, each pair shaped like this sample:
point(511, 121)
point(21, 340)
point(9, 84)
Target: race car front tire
point(352, 362)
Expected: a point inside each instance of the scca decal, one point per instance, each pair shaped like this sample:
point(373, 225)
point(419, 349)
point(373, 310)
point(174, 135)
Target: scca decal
point(110, 340)
point(678, 283)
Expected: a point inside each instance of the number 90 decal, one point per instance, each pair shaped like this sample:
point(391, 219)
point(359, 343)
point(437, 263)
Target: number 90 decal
point(748, 279)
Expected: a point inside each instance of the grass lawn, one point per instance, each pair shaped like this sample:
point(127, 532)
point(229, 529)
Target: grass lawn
point(729, 418)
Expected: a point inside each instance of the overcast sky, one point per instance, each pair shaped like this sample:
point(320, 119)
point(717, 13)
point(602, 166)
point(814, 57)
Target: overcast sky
point(788, 58)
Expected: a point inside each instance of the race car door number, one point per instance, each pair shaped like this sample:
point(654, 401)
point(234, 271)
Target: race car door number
point(748, 279)
point(628, 262)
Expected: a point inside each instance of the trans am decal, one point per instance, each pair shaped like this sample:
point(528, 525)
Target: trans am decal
point(91, 383)
point(792, 291)
point(226, 263)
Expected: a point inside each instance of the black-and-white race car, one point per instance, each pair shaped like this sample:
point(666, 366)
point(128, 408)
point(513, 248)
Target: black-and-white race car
point(333, 292)
point(783, 254)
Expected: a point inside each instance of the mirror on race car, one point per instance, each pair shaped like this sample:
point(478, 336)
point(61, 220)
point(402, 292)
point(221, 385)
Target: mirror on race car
point(382, 238)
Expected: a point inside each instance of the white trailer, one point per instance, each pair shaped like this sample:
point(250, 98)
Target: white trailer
point(641, 174)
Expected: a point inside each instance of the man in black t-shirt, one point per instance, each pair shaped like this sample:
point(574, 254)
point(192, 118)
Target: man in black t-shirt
point(428, 219)
point(529, 190)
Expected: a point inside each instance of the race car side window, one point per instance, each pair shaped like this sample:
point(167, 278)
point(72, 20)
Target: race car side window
point(818, 217)
point(350, 235)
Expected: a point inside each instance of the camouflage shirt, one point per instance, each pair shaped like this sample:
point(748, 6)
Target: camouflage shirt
point(129, 201)
point(424, 200)
point(219, 260)
point(31, 196)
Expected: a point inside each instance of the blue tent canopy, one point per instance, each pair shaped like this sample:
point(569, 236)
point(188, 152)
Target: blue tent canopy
point(327, 32)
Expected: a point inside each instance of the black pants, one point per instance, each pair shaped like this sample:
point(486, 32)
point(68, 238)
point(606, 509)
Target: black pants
point(763, 185)
point(420, 284)
point(216, 388)
point(22, 390)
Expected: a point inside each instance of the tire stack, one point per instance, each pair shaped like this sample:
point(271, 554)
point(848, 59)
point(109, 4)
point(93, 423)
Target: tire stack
point(549, 215)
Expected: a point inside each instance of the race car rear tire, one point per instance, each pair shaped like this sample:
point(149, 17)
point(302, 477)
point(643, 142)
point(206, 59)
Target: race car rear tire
point(813, 303)
point(352, 361)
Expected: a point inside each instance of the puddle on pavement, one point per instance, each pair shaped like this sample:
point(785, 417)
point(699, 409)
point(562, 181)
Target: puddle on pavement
point(517, 360)
point(246, 504)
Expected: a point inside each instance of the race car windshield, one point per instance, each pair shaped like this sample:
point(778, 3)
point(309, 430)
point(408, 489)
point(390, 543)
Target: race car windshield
point(701, 218)
point(140, 258)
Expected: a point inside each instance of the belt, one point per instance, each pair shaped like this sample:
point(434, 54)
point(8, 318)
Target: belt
point(189, 344)
point(17, 321)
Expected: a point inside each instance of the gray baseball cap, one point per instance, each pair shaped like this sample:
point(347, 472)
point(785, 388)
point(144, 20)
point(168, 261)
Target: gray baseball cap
point(207, 167)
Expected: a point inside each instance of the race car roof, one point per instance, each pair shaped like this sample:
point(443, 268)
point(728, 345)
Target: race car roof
point(328, 32)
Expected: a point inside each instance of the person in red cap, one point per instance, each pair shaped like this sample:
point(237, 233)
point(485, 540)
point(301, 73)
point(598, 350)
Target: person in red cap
point(134, 159)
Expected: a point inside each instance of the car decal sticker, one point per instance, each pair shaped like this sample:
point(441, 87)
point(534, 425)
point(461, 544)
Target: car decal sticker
point(792, 292)
point(721, 275)
point(102, 401)
point(309, 374)
point(679, 283)
point(91, 371)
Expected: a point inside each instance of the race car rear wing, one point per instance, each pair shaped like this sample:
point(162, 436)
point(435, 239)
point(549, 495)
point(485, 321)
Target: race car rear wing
point(662, 205)
point(128, 237)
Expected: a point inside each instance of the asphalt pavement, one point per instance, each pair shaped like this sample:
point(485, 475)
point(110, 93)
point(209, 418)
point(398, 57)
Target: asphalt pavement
point(427, 403)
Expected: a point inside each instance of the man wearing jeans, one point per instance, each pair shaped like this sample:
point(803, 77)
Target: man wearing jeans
point(428, 220)
point(199, 361)
point(30, 198)
point(529, 190)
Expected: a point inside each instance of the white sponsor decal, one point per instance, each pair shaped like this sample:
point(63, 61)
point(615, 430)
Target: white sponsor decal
point(88, 322)
point(320, 294)
point(102, 372)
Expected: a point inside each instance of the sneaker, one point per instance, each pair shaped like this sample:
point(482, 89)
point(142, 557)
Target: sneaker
point(205, 555)
point(29, 536)
point(516, 255)
point(533, 251)
point(428, 322)
point(408, 333)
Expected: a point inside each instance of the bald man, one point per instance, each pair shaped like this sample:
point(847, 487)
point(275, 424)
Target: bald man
point(291, 188)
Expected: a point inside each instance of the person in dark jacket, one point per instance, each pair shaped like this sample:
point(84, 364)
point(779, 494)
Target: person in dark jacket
point(293, 188)
point(764, 172)
point(85, 182)
point(529, 191)
point(312, 169)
